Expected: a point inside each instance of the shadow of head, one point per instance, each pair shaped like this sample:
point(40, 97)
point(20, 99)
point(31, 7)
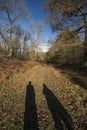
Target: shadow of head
point(44, 89)
point(30, 83)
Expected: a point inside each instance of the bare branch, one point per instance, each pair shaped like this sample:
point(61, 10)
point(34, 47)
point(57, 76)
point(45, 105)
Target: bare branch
point(80, 28)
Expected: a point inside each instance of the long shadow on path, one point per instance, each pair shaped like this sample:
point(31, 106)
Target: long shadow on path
point(30, 115)
point(60, 116)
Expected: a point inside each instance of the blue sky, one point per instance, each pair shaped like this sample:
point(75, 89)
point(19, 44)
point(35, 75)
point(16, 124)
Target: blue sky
point(35, 8)
point(38, 15)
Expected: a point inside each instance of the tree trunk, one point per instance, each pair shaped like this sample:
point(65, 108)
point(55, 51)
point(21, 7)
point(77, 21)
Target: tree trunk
point(85, 46)
point(35, 54)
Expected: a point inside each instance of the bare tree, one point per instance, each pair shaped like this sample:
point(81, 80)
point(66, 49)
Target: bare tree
point(10, 12)
point(36, 31)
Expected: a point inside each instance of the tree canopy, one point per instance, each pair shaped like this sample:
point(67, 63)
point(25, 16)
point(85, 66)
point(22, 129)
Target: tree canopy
point(66, 49)
point(68, 13)
point(68, 36)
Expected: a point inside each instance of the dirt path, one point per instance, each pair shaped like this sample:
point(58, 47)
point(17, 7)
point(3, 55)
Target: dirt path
point(50, 102)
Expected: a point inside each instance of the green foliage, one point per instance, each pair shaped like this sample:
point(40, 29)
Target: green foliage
point(66, 49)
point(68, 36)
point(41, 56)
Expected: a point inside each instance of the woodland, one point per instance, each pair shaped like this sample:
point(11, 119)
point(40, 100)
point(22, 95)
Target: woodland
point(43, 90)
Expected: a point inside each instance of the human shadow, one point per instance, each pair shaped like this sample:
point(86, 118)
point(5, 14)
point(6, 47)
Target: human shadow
point(60, 116)
point(30, 115)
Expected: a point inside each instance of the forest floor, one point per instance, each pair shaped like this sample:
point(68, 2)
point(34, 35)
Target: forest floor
point(36, 96)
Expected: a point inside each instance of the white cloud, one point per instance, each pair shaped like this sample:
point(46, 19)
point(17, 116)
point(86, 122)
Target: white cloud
point(43, 48)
